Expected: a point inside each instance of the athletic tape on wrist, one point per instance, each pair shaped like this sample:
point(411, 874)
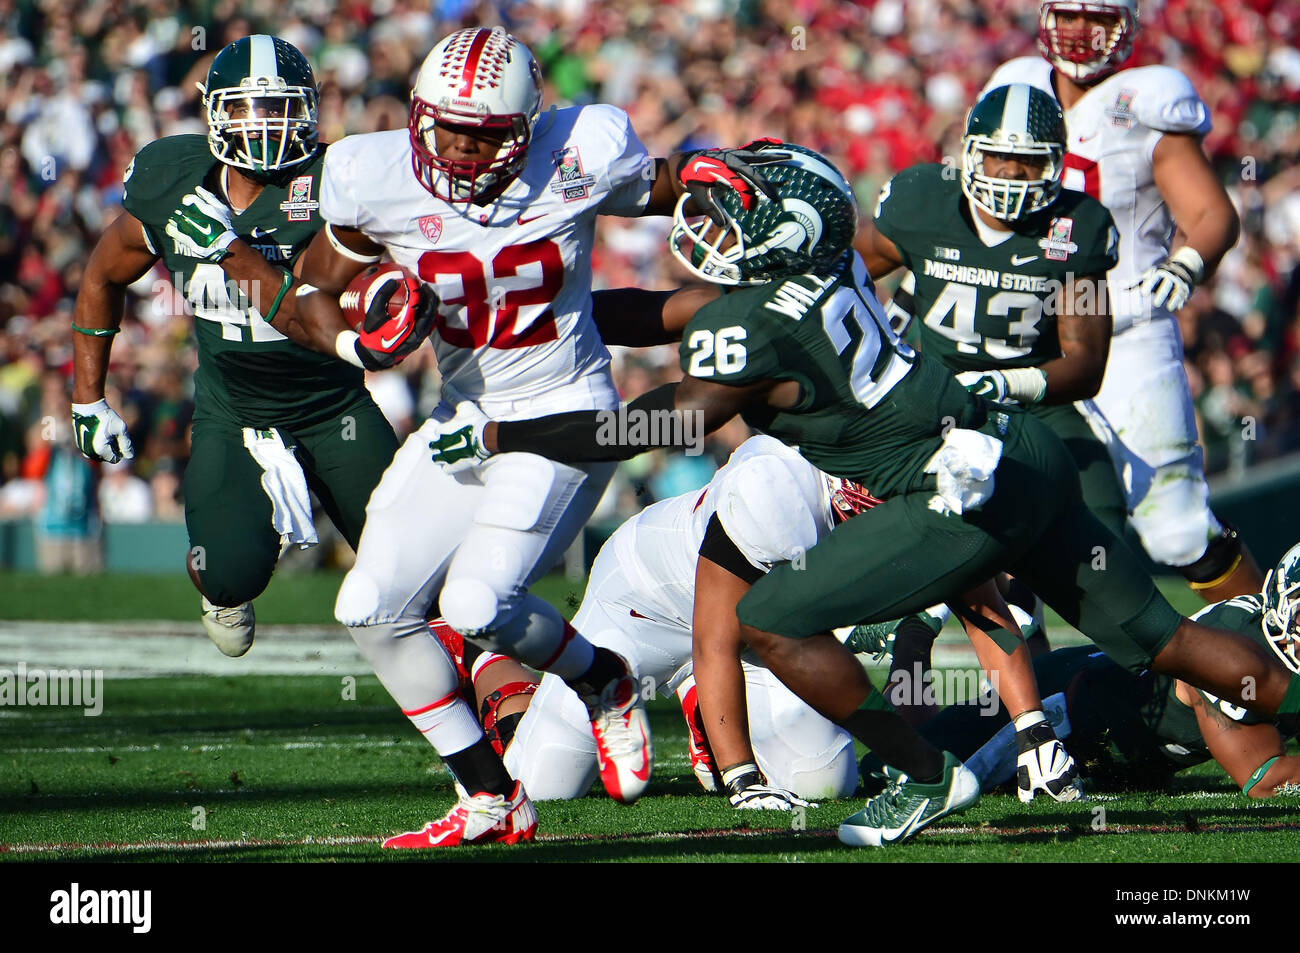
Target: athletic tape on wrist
point(345, 345)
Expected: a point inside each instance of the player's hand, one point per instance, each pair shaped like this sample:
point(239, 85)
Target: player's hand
point(385, 340)
point(991, 385)
point(1170, 283)
point(458, 443)
point(749, 791)
point(202, 227)
point(100, 433)
point(736, 169)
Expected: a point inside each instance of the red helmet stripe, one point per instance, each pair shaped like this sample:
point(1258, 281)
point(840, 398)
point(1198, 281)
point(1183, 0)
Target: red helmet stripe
point(471, 62)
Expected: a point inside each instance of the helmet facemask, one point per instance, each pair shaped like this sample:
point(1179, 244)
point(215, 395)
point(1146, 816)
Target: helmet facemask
point(1281, 622)
point(1011, 199)
point(848, 499)
point(1088, 53)
point(263, 126)
point(466, 181)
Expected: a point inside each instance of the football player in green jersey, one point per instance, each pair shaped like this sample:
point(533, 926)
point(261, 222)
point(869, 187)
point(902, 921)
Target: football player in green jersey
point(1137, 731)
point(272, 419)
point(801, 348)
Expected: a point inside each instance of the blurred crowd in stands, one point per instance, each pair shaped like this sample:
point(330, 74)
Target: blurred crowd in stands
point(876, 85)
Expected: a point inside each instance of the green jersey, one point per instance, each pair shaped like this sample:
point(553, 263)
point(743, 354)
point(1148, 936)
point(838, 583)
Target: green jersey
point(249, 373)
point(870, 408)
point(985, 306)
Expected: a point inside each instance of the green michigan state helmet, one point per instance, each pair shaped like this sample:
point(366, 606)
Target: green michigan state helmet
point(1282, 608)
point(1022, 121)
point(261, 103)
point(807, 230)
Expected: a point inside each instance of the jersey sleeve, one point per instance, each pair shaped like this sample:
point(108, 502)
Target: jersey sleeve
point(628, 175)
point(898, 210)
point(153, 182)
point(1168, 102)
point(718, 346)
point(338, 202)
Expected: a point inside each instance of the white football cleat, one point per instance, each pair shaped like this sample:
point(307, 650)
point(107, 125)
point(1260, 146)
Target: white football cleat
point(1044, 765)
point(622, 731)
point(229, 627)
point(481, 819)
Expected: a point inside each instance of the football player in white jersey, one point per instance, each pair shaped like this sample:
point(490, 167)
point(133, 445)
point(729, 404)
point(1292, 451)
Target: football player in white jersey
point(641, 601)
point(1135, 144)
point(492, 204)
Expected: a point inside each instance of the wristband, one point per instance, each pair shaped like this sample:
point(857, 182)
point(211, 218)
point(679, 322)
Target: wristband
point(1258, 775)
point(347, 252)
point(1026, 384)
point(275, 305)
point(345, 346)
point(733, 777)
point(1191, 259)
point(96, 332)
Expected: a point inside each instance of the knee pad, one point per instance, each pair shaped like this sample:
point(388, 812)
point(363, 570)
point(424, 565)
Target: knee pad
point(469, 605)
point(1175, 525)
point(358, 600)
point(1221, 557)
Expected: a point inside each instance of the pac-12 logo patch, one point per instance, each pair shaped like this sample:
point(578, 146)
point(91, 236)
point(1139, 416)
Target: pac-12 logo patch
point(431, 227)
point(1057, 244)
point(299, 205)
point(570, 181)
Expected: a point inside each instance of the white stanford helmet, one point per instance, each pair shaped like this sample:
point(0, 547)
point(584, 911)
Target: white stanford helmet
point(1085, 55)
point(477, 77)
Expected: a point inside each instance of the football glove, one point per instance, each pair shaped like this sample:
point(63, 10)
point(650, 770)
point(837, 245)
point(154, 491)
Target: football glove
point(1016, 385)
point(100, 433)
point(201, 226)
point(991, 385)
point(735, 169)
point(748, 791)
point(386, 340)
point(1172, 282)
point(458, 441)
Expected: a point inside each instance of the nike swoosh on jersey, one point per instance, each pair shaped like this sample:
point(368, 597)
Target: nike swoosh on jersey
point(524, 221)
point(260, 232)
point(1018, 260)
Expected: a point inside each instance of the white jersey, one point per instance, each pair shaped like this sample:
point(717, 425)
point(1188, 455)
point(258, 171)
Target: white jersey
point(515, 331)
point(773, 503)
point(1113, 131)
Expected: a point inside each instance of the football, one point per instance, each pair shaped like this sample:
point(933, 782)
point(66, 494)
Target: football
point(362, 289)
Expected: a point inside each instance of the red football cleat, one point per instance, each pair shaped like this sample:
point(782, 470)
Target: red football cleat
point(481, 819)
point(622, 731)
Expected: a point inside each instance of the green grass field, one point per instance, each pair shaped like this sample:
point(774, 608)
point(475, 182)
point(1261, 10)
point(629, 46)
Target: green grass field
point(299, 767)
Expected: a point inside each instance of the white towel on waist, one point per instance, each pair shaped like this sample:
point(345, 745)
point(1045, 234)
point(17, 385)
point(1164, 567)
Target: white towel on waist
point(285, 485)
point(963, 467)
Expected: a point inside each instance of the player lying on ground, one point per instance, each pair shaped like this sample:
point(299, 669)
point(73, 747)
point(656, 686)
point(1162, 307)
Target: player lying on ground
point(807, 355)
point(272, 420)
point(492, 205)
point(1137, 731)
point(1135, 145)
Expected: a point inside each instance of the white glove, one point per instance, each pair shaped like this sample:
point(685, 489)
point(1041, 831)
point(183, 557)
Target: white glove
point(748, 791)
point(202, 226)
point(100, 433)
point(1171, 282)
point(991, 385)
point(457, 442)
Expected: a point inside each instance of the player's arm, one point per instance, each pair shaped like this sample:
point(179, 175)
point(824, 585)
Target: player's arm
point(1200, 206)
point(879, 253)
point(633, 317)
point(1083, 326)
point(722, 577)
point(121, 256)
point(1243, 750)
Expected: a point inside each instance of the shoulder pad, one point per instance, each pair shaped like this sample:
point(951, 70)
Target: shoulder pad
point(1164, 99)
point(1033, 70)
point(164, 165)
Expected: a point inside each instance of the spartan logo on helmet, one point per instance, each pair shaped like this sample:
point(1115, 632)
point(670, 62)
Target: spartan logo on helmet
point(1020, 121)
point(1097, 40)
point(260, 99)
point(1281, 620)
point(807, 230)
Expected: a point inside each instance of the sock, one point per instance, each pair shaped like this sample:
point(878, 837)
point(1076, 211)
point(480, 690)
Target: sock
point(913, 643)
point(605, 667)
point(895, 742)
point(448, 723)
point(478, 768)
